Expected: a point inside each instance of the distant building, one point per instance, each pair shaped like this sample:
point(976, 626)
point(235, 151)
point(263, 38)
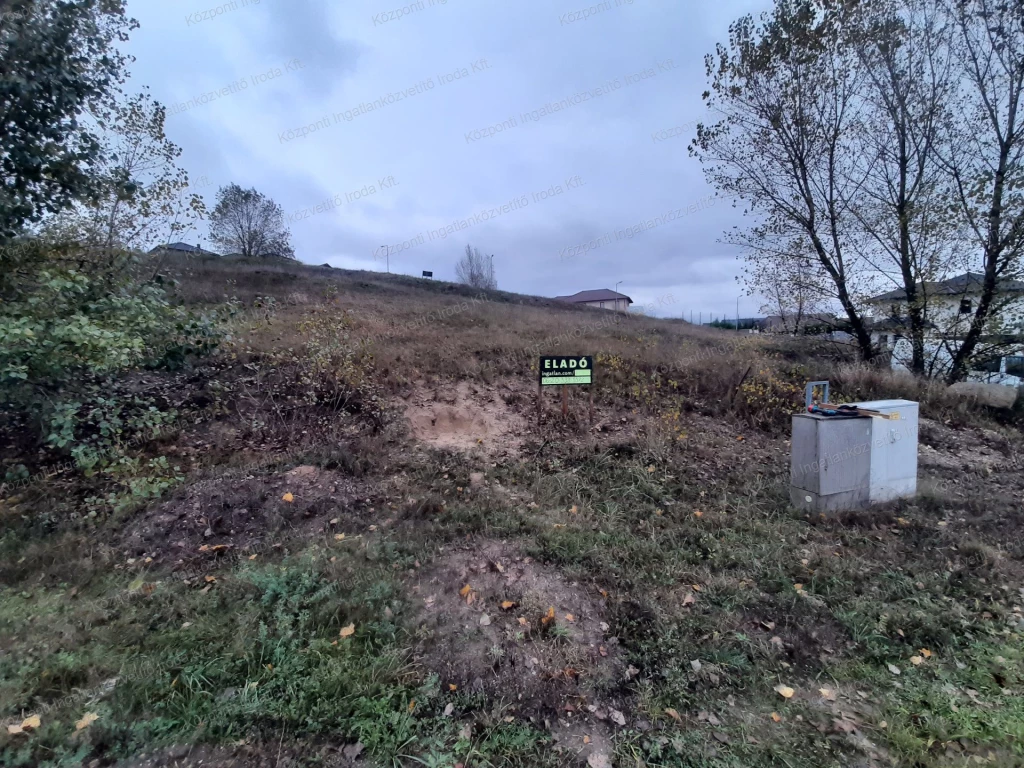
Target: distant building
point(601, 298)
point(949, 309)
point(182, 248)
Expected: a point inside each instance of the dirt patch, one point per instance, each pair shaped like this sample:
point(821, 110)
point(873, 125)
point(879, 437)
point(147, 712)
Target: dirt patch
point(465, 418)
point(494, 622)
point(238, 512)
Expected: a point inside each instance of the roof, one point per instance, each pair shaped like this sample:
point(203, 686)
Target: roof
point(180, 247)
point(961, 285)
point(601, 294)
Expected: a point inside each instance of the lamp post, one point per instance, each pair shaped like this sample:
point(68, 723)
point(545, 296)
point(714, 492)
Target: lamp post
point(738, 312)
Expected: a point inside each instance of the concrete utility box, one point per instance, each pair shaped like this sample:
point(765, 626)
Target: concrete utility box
point(841, 464)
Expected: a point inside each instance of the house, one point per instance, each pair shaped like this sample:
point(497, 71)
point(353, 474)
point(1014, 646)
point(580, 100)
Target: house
point(812, 323)
point(601, 298)
point(949, 308)
point(181, 248)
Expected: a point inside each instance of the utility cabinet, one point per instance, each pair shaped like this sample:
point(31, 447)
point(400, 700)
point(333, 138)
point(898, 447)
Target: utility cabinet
point(840, 464)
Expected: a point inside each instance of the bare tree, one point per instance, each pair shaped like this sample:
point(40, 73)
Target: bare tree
point(785, 92)
point(985, 157)
point(476, 270)
point(247, 222)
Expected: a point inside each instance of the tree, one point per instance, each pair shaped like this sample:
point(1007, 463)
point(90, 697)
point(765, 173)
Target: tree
point(247, 222)
point(57, 60)
point(785, 92)
point(142, 195)
point(985, 156)
point(476, 270)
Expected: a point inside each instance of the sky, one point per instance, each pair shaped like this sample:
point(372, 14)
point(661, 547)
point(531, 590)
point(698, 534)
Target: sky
point(548, 133)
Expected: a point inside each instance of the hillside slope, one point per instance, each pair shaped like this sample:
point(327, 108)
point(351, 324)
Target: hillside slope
point(366, 551)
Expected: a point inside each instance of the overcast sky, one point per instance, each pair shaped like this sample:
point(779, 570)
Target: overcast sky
point(425, 127)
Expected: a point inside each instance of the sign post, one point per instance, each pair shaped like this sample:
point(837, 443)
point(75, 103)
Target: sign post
point(565, 371)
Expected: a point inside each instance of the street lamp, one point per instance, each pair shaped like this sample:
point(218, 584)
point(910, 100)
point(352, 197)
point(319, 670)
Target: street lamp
point(738, 312)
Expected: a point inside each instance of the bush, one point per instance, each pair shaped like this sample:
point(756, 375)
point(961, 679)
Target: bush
point(72, 320)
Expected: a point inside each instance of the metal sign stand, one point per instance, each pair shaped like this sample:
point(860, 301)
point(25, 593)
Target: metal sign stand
point(565, 398)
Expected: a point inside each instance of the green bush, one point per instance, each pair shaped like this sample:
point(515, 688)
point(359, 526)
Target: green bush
point(73, 320)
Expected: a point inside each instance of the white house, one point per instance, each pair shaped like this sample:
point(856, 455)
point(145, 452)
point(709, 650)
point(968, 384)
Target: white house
point(949, 306)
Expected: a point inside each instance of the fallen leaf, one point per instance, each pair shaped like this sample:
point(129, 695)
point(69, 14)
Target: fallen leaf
point(485, 620)
point(449, 708)
point(253, 557)
point(573, 509)
point(339, 537)
point(348, 631)
point(452, 687)
point(827, 693)
point(586, 739)
point(88, 719)
point(604, 592)
point(650, 470)
point(548, 617)
point(798, 587)
point(14, 729)
point(412, 705)
point(498, 567)
point(288, 498)
point(925, 652)
point(698, 513)
point(570, 617)
point(776, 717)
point(465, 590)
point(523, 622)
point(894, 669)
point(211, 579)
point(617, 717)
point(32, 721)
point(696, 665)
point(784, 691)
point(673, 714)
point(507, 605)
point(916, 660)
point(689, 599)
point(602, 650)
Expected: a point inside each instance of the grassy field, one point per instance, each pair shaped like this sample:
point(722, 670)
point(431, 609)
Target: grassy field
point(356, 546)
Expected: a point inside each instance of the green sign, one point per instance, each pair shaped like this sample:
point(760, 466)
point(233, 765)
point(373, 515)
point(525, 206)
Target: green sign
point(566, 370)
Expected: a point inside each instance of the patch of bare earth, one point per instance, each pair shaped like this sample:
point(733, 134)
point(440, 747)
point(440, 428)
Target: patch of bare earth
point(466, 417)
point(492, 621)
point(236, 513)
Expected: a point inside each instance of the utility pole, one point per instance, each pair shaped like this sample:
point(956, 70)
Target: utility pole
point(387, 256)
point(738, 312)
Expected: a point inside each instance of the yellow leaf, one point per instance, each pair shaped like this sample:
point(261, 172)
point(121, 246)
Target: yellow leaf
point(570, 617)
point(916, 660)
point(776, 716)
point(673, 714)
point(523, 622)
point(658, 512)
point(253, 557)
point(573, 510)
point(87, 719)
point(925, 652)
point(412, 705)
point(288, 497)
point(452, 687)
point(465, 590)
point(827, 693)
point(586, 739)
point(559, 525)
point(211, 579)
point(339, 537)
point(698, 513)
point(549, 617)
point(798, 587)
point(507, 605)
point(348, 631)
point(32, 721)
point(650, 470)
point(784, 691)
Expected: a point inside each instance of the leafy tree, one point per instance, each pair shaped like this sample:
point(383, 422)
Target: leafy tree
point(476, 270)
point(57, 59)
point(142, 195)
point(247, 222)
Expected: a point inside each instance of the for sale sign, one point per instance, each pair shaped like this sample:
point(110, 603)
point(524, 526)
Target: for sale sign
point(566, 370)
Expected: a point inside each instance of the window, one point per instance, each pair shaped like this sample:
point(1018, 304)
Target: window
point(1015, 365)
point(965, 307)
point(883, 341)
point(602, 305)
point(992, 365)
